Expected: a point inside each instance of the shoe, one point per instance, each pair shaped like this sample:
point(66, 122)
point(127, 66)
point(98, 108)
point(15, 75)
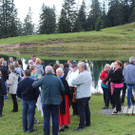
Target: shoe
point(2, 115)
point(115, 112)
point(33, 130)
point(14, 111)
point(66, 126)
point(78, 129)
point(105, 107)
point(62, 129)
point(87, 125)
point(36, 122)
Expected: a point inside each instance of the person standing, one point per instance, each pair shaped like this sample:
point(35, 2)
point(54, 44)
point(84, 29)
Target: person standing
point(12, 83)
point(11, 61)
point(104, 86)
point(50, 98)
point(64, 114)
point(2, 93)
point(129, 76)
point(73, 73)
point(117, 80)
point(29, 97)
point(83, 93)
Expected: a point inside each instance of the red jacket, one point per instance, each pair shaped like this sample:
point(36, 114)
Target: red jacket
point(103, 76)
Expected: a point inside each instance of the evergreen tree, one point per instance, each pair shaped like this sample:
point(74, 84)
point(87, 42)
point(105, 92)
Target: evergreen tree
point(94, 14)
point(28, 26)
point(47, 20)
point(8, 19)
point(99, 24)
point(68, 17)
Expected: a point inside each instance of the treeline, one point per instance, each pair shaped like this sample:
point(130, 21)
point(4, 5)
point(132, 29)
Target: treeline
point(71, 19)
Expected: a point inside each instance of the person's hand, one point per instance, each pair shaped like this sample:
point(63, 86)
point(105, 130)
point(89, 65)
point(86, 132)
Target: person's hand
point(40, 77)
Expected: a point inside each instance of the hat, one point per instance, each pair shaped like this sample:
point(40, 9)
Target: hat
point(74, 64)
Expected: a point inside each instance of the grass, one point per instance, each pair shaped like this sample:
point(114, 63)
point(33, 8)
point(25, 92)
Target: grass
point(11, 124)
point(109, 44)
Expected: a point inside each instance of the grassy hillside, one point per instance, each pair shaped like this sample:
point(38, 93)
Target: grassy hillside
point(11, 123)
point(111, 43)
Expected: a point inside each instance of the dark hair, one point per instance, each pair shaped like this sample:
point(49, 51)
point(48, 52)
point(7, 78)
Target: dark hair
point(27, 72)
point(34, 56)
point(66, 65)
point(20, 63)
point(55, 66)
point(12, 67)
point(119, 63)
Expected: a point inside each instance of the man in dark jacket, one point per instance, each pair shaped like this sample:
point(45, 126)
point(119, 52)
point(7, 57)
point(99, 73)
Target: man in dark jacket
point(29, 97)
point(50, 98)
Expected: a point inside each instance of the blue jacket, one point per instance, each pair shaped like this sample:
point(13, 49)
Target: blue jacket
point(50, 89)
point(25, 90)
point(129, 74)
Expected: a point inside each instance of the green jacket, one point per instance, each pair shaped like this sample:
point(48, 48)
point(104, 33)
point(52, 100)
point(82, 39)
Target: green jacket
point(50, 89)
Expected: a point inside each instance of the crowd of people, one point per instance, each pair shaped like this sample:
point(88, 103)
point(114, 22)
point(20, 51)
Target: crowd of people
point(116, 78)
point(59, 87)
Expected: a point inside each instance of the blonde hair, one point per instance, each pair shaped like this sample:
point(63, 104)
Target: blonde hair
point(0, 74)
point(38, 61)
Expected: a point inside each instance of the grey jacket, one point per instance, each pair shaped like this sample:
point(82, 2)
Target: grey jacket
point(13, 82)
point(129, 74)
point(40, 70)
point(83, 82)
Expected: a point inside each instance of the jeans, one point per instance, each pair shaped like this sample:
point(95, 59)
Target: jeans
point(84, 112)
point(129, 93)
point(54, 111)
point(106, 96)
point(1, 104)
point(15, 105)
point(28, 109)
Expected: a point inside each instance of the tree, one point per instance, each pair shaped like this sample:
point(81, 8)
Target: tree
point(8, 19)
point(47, 20)
point(68, 17)
point(28, 26)
point(94, 14)
point(99, 24)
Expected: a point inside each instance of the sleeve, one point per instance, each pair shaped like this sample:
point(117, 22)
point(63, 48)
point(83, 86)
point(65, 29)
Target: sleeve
point(3, 87)
point(19, 90)
point(102, 77)
point(37, 92)
point(37, 83)
point(10, 80)
point(78, 80)
point(108, 77)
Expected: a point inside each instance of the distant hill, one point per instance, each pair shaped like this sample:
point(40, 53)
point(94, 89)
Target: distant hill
point(110, 43)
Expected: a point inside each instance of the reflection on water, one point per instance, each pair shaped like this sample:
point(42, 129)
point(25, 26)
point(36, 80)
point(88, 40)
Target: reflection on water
point(95, 68)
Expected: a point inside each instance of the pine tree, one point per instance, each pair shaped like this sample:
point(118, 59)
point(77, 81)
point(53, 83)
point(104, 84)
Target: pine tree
point(99, 24)
point(28, 26)
point(8, 19)
point(68, 17)
point(47, 20)
point(94, 14)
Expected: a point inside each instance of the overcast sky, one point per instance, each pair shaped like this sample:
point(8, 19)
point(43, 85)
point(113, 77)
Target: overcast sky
point(23, 7)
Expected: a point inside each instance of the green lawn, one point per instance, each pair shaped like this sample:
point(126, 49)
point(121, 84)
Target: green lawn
point(109, 44)
point(11, 124)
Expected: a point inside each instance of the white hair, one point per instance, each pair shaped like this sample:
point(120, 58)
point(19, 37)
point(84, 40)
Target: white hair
point(131, 59)
point(59, 69)
point(29, 62)
point(49, 69)
point(112, 65)
point(108, 65)
point(83, 65)
point(4, 63)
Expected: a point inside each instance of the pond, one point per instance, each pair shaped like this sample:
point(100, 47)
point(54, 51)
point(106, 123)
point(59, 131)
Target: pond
point(95, 68)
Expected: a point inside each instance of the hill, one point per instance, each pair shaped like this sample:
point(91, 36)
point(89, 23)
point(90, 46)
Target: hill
point(109, 44)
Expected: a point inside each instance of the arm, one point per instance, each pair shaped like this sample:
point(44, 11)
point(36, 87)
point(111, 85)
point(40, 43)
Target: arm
point(102, 77)
point(10, 80)
point(19, 90)
point(3, 87)
point(37, 83)
point(108, 76)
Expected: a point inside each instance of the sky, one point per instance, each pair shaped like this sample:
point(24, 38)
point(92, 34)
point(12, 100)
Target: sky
point(23, 7)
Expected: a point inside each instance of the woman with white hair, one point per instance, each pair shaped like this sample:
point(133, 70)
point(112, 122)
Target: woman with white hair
point(105, 86)
point(64, 113)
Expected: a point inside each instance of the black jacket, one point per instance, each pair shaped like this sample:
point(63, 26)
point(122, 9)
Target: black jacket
point(117, 76)
point(25, 90)
point(5, 72)
point(2, 87)
point(109, 75)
